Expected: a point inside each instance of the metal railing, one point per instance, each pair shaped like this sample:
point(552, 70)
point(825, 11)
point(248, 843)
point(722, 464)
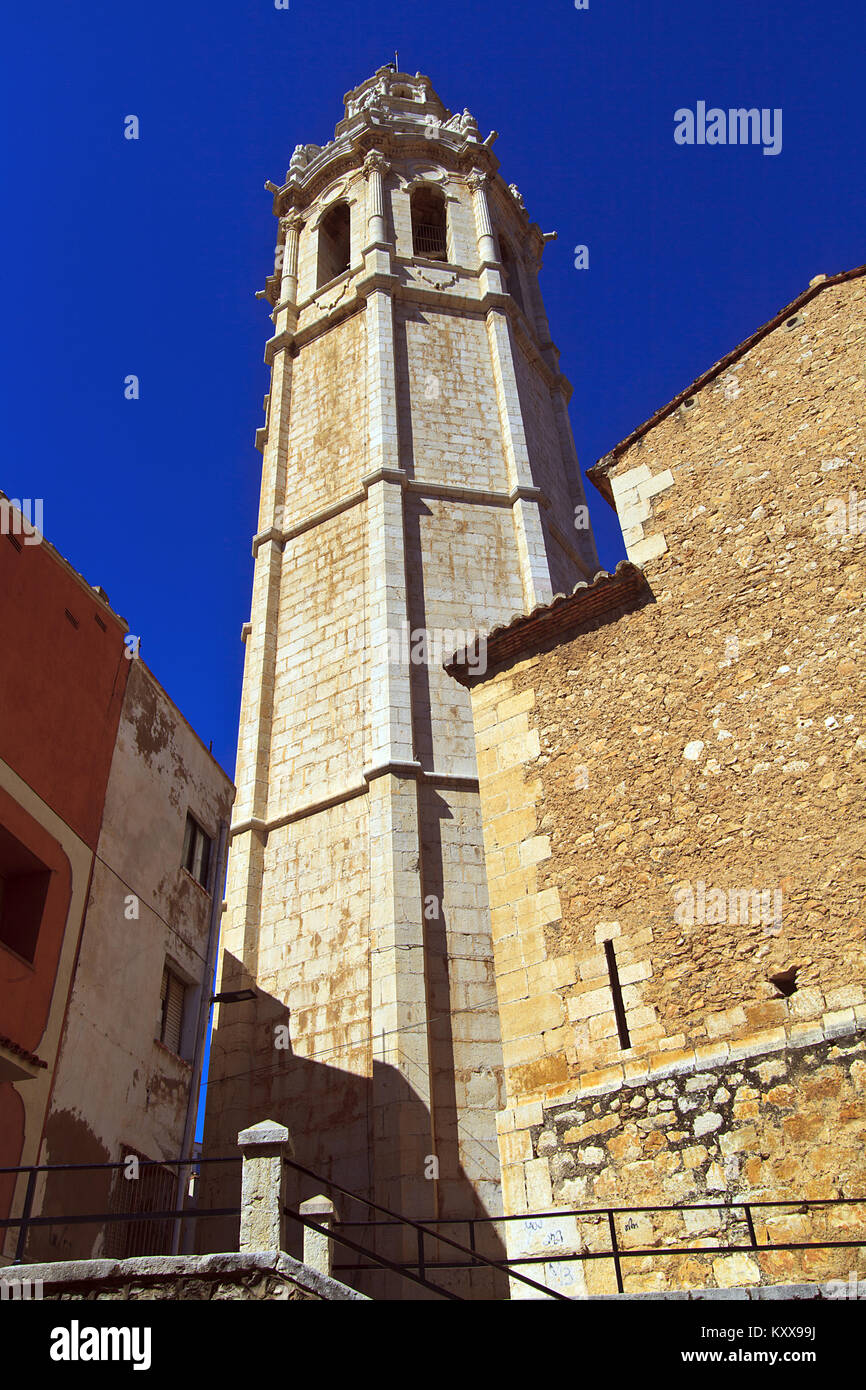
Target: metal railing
point(429, 239)
point(421, 1229)
point(418, 1270)
point(619, 1250)
point(27, 1221)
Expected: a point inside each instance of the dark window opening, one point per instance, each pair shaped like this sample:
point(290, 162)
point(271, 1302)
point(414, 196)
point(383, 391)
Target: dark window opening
point(510, 274)
point(24, 881)
point(196, 851)
point(172, 1001)
point(153, 1189)
point(334, 244)
point(429, 224)
point(616, 991)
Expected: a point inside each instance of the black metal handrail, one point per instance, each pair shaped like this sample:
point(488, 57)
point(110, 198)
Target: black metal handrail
point(619, 1251)
point(421, 1228)
point(26, 1220)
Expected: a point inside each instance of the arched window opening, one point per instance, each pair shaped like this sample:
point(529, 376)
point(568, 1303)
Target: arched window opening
point(334, 244)
point(429, 223)
point(510, 273)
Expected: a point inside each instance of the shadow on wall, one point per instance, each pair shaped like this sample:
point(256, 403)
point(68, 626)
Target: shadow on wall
point(363, 1132)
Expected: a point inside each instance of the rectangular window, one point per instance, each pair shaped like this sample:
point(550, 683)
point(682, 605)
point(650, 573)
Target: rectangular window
point(172, 1000)
point(24, 881)
point(196, 851)
point(153, 1189)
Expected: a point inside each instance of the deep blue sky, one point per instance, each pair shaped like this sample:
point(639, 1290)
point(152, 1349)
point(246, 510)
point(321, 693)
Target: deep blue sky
point(124, 257)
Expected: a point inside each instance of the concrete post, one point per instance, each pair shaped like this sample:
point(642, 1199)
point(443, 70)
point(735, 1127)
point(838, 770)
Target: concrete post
point(263, 1185)
point(318, 1249)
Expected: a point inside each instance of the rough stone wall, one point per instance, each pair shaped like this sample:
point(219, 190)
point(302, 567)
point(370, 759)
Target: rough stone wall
point(684, 780)
point(739, 1126)
point(268, 1274)
point(184, 1290)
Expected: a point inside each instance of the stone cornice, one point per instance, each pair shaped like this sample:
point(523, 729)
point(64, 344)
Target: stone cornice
point(412, 771)
point(348, 153)
point(484, 497)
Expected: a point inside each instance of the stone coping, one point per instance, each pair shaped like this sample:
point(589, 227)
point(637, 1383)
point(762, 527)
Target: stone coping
point(228, 1265)
point(842, 1023)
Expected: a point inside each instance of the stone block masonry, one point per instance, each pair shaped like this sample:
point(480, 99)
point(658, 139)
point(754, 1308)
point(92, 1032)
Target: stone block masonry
point(418, 472)
point(671, 775)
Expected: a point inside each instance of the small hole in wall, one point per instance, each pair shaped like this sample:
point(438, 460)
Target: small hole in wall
point(785, 980)
point(794, 322)
point(689, 403)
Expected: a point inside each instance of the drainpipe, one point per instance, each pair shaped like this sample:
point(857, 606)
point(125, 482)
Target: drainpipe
point(201, 1031)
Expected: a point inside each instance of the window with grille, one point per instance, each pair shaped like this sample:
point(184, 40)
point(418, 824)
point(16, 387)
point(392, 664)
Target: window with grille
point(196, 851)
point(429, 223)
point(153, 1189)
point(172, 999)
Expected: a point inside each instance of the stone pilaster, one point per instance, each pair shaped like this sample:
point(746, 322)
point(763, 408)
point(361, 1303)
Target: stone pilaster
point(401, 1062)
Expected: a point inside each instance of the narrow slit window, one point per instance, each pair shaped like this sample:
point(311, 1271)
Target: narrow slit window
point(616, 991)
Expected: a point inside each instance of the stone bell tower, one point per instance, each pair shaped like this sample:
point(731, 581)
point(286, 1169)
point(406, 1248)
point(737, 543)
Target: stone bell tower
point(419, 482)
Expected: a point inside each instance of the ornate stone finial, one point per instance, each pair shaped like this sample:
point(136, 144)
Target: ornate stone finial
point(299, 158)
point(375, 163)
point(517, 195)
point(469, 125)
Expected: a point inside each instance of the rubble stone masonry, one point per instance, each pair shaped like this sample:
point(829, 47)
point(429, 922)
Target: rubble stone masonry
point(681, 776)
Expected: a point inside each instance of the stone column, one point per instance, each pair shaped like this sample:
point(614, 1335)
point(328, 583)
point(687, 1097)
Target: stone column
point(484, 228)
point(291, 225)
point(318, 1249)
point(375, 167)
point(263, 1185)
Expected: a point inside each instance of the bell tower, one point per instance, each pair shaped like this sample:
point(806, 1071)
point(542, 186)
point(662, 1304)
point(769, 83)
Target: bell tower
point(419, 484)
